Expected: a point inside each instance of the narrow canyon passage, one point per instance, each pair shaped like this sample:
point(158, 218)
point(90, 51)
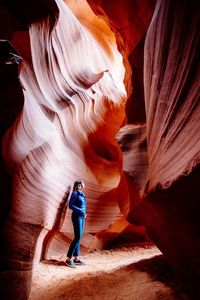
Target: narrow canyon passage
point(107, 92)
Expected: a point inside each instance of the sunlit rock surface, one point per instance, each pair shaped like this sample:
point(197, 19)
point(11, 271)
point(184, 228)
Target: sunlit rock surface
point(129, 20)
point(74, 100)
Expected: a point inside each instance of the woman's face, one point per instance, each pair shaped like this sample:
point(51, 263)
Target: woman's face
point(80, 186)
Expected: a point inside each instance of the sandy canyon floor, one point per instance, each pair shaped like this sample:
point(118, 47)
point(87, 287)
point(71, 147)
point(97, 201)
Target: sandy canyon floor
point(129, 272)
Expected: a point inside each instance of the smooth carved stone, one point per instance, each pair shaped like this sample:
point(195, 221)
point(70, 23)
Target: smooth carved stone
point(74, 99)
point(171, 82)
point(75, 86)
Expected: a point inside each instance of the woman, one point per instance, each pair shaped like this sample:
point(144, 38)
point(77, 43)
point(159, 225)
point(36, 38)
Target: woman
point(77, 203)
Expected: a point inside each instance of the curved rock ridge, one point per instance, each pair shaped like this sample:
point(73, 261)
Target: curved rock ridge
point(74, 99)
point(129, 20)
point(172, 91)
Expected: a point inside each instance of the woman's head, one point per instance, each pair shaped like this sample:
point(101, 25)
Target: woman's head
point(78, 185)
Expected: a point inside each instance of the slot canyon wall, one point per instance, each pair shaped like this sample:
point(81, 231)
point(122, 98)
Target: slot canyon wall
point(108, 91)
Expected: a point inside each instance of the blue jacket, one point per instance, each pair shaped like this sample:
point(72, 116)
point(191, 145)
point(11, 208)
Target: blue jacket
point(77, 203)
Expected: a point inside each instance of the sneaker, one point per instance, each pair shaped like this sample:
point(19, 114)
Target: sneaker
point(79, 262)
point(70, 264)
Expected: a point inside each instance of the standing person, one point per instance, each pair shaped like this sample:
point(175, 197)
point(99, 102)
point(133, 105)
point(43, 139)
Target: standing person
point(77, 203)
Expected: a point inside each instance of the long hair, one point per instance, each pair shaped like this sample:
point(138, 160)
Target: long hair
point(76, 183)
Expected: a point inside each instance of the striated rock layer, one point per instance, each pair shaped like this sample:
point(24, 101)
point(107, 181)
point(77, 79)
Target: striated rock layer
point(74, 99)
point(159, 186)
point(169, 201)
point(83, 100)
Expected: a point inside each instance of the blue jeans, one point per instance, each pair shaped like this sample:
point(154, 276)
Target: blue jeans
point(78, 223)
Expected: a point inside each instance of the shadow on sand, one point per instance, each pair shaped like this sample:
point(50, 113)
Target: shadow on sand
point(54, 262)
point(157, 267)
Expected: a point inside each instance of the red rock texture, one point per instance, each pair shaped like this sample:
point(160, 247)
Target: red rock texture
point(169, 203)
point(70, 116)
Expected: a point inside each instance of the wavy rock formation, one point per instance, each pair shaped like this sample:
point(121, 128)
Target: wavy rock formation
point(74, 100)
point(83, 98)
point(169, 202)
point(164, 194)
